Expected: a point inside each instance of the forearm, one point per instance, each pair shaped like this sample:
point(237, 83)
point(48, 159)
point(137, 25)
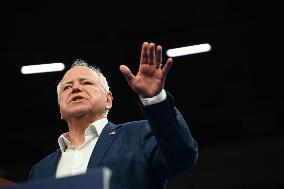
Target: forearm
point(177, 148)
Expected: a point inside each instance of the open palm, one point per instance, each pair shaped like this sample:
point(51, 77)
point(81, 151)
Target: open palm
point(150, 79)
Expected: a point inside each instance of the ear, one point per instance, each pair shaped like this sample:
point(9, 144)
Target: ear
point(109, 101)
point(61, 116)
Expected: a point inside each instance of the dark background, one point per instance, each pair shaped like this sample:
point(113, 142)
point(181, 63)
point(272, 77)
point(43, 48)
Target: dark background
point(232, 96)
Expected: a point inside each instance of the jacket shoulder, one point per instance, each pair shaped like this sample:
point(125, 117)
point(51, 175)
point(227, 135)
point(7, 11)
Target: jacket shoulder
point(51, 157)
point(46, 166)
point(131, 123)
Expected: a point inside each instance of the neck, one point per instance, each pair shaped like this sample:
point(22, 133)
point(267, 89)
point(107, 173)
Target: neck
point(77, 128)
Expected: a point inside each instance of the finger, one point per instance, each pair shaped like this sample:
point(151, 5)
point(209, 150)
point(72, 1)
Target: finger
point(126, 73)
point(144, 54)
point(151, 54)
point(158, 56)
point(167, 66)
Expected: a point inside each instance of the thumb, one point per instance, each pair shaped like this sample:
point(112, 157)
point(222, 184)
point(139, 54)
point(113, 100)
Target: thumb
point(126, 73)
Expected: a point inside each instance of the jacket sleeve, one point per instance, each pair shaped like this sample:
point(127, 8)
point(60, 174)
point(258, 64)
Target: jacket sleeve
point(168, 144)
point(32, 173)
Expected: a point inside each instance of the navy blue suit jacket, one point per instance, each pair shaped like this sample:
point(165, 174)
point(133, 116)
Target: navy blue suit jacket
point(140, 154)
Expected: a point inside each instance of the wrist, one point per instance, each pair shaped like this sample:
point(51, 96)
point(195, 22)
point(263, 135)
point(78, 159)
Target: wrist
point(153, 100)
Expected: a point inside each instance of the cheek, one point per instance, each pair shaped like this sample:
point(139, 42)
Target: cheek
point(61, 107)
point(97, 94)
point(63, 98)
point(99, 99)
point(62, 102)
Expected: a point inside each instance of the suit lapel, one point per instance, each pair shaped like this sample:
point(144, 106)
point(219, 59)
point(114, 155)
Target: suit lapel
point(105, 140)
point(52, 164)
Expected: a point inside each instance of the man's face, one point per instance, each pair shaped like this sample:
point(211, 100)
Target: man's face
point(83, 94)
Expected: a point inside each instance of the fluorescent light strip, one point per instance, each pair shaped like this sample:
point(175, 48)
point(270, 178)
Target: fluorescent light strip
point(42, 68)
point(194, 49)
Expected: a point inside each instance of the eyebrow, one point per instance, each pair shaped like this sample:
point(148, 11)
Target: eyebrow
point(71, 81)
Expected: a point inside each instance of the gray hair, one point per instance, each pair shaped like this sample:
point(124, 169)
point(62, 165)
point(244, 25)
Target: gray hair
point(79, 62)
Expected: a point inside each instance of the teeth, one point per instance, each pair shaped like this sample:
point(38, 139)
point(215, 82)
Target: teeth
point(77, 98)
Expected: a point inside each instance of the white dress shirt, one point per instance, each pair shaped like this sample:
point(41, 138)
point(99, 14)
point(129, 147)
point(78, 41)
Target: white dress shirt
point(74, 160)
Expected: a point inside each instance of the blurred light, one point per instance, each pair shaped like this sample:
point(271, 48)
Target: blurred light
point(181, 51)
point(41, 68)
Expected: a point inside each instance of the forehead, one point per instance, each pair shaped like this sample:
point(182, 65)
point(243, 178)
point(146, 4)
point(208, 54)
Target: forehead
point(78, 72)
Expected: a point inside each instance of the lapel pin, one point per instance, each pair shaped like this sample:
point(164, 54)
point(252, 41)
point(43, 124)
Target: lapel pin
point(112, 133)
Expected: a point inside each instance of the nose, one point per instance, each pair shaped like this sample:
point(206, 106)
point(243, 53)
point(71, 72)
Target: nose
point(76, 88)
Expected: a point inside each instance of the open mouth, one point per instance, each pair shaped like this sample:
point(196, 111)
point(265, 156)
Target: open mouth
point(77, 99)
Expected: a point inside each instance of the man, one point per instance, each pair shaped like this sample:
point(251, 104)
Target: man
point(140, 154)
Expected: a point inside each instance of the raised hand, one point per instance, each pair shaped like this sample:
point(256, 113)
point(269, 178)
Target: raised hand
point(151, 76)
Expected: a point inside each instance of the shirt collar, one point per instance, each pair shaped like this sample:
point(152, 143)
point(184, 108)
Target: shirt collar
point(95, 129)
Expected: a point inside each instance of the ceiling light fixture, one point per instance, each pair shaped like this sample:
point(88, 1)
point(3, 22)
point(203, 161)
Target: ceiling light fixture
point(194, 49)
point(42, 68)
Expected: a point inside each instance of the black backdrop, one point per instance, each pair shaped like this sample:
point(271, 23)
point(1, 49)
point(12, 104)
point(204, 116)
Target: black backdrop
point(232, 96)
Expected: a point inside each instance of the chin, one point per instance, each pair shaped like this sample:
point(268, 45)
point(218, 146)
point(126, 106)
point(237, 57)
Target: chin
point(79, 112)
